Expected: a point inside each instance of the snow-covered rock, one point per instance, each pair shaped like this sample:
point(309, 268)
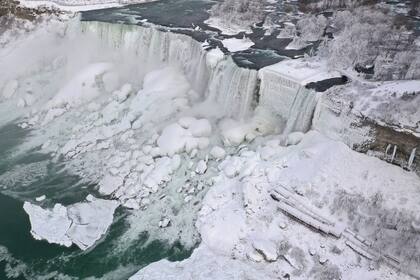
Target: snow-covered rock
point(266, 248)
point(122, 94)
point(164, 223)
point(218, 152)
point(201, 167)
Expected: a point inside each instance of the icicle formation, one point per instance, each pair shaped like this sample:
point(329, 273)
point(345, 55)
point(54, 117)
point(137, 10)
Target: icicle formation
point(411, 159)
point(387, 150)
point(301, 112)
point(227, 84)
point(291, 104)
point(394, 152)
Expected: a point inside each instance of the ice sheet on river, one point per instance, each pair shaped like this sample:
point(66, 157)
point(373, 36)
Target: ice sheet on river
point(81, 223)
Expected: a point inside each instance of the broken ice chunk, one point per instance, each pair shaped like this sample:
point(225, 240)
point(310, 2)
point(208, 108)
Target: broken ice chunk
point(90, 221)
point(110, 184)
point(82, 223)
point(40, 198)
point(49, 224)
point(201, 167)
point(164, 223)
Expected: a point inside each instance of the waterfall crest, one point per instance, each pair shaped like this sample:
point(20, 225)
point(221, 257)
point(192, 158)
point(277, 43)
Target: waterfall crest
point(227, 84)
point(285, 103)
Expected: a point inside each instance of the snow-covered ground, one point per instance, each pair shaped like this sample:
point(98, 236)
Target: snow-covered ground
point(168, 130)
point(301, 71)
point(391, 103)
point(247, 233)
point(79, 5)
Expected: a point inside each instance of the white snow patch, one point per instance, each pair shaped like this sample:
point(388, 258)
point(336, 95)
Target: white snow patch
point(302, 72)
point(236, 45)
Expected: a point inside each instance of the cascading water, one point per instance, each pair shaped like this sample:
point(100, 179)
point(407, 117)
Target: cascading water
point(154, 48)
point(227, 84)
point(233, 87)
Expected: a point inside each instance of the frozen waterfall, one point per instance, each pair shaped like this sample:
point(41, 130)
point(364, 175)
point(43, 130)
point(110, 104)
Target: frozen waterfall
point(229, 85)
point(286, 102)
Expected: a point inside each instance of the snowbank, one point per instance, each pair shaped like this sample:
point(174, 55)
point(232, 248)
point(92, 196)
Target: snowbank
point(302, 72)
point(186, 135)
point(394, 103)
point(246, 231)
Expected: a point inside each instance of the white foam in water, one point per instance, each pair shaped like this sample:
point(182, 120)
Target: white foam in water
point(23, 175)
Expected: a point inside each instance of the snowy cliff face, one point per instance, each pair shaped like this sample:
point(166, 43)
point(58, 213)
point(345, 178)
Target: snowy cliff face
point(384, 124)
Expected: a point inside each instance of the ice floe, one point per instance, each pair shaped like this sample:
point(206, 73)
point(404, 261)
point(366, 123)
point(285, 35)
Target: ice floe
point(82, 223)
